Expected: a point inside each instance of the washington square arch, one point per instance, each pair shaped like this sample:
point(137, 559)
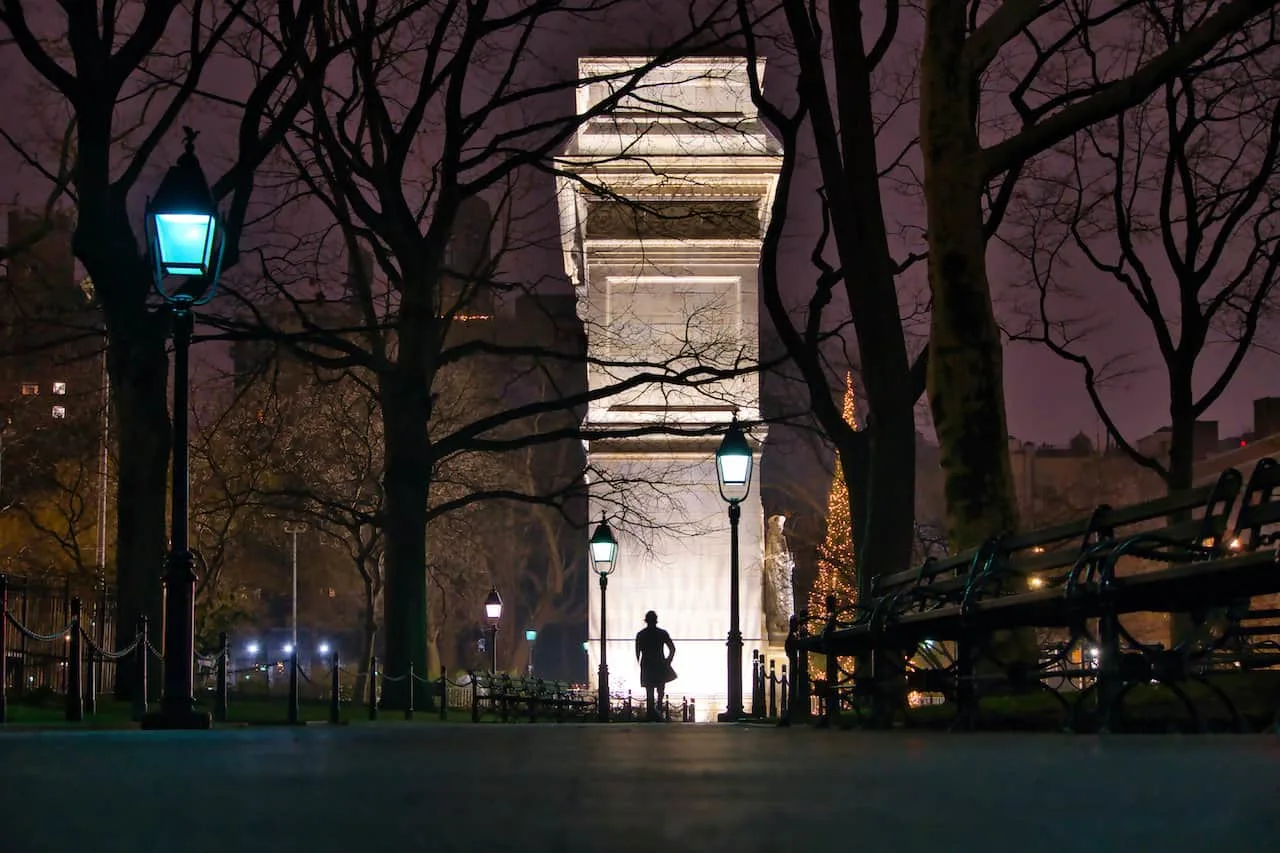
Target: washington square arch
point(663, 207)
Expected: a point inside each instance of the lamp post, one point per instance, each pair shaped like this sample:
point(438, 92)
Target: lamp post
point(604, 559)
point(733, 471)
point(493, 613)
point(531, 637)
point(293, 528)
point(185, 240)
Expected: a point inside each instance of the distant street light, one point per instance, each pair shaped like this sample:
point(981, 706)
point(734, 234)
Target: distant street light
point(603, 550)
point(324, 649)
point(252, 649)
point(493, 613)
point(531, 637)
point(733, 470)
point(293, 528)
point(185, 239)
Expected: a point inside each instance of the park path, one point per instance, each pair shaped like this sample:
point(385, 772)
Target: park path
point(414, 788)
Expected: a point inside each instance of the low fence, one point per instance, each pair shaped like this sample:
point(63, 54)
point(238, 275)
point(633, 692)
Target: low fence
point(36, 656)
point(74, 657)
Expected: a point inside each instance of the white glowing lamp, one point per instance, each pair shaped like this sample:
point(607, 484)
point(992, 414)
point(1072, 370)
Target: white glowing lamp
point(604, 549)
point(733, 464)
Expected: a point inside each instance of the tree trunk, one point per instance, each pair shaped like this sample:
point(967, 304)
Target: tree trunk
point(367, 640)
point(406, 484)
point(886, 515)
point(965, 377)
point(1181, 472)
point(966, 373)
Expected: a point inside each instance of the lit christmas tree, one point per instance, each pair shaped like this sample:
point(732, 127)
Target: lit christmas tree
point(836, 572)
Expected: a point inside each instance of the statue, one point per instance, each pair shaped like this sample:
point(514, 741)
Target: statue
point(779, 569)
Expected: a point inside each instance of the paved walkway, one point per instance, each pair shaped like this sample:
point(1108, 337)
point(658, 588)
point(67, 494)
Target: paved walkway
point(427, 789)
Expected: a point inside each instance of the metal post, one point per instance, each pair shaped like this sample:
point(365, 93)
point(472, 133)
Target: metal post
point(91, 685)
point(832, 706)
point(602, 677)
point(373, 687)
point(475, 698)
point(408, 708)
point(24, 611)
point(493, 649)
point(335, 686)
point(220, 701)
point(733, 712)
point(784, 707)
point(177, 703)
point(75, 702)
point(755, 683)
point(4, 647)
point(140, 672)
point(444, 693)
point(293, 687)
point(773, 689)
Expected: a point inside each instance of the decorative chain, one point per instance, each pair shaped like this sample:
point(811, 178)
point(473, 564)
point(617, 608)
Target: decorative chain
point(155, 652)
point(32, 635)
point(106, 655)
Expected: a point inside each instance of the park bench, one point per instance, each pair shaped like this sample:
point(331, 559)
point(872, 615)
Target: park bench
point(1062, 577)
point(506, 697)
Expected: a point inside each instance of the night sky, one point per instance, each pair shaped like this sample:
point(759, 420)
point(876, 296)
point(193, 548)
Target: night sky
point(1045, 397)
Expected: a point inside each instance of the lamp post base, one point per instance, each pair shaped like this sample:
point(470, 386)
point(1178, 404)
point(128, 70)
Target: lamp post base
point(177, 719)
point(731, 717)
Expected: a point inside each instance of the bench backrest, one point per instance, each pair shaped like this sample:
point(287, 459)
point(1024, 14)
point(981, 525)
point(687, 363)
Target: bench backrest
point(1197, 515)
point(1259, 509)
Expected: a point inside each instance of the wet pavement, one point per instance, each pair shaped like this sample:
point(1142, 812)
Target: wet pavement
point(570, 788)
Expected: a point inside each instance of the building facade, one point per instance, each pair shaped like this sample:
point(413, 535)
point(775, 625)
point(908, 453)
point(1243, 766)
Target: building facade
point(662, 226)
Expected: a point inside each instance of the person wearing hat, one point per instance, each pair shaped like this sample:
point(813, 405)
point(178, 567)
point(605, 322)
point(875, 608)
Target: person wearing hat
point(654, 650)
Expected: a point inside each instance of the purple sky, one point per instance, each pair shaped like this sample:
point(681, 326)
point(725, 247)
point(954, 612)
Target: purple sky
point(1045, 397)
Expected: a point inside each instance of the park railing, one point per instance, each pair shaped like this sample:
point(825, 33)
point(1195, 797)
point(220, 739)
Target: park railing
point(79, 659)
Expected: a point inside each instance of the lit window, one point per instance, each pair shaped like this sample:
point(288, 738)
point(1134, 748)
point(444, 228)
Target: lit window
point(30, 389)
point(59, 387)
point(59, 411)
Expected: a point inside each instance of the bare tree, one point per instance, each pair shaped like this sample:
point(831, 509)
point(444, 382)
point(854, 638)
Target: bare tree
point(1044, 51)
point(448, 106)
point(879, 461)
point(120, 77)
point(1175, 203)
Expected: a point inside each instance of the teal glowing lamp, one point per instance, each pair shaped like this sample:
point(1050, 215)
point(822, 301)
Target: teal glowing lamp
point(530, 634)
point(184, 233)
point(733, 464)
point(604, 549)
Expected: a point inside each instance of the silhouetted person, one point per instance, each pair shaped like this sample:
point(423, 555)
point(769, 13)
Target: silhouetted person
point(654, 650)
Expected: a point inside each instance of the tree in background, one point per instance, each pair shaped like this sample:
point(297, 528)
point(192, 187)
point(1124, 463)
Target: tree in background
point(1175, 203)
point(837, 564)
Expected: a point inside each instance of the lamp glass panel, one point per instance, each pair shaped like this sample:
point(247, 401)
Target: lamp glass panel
point(602, 553)
point(493, 611)
point(735, 469)
point(185, 242)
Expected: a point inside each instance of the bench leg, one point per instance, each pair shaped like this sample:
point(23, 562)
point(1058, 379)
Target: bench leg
point(1110, 684)
point(966, 694)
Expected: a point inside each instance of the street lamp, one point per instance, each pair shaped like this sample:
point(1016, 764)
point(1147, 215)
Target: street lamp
point(604, 559)
point(185, 240)
point(493, 613)
point(293, 528)
point(733, 470)
point(531, 637)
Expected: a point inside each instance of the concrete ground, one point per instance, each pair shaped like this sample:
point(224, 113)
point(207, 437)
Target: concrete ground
point(431, 788)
